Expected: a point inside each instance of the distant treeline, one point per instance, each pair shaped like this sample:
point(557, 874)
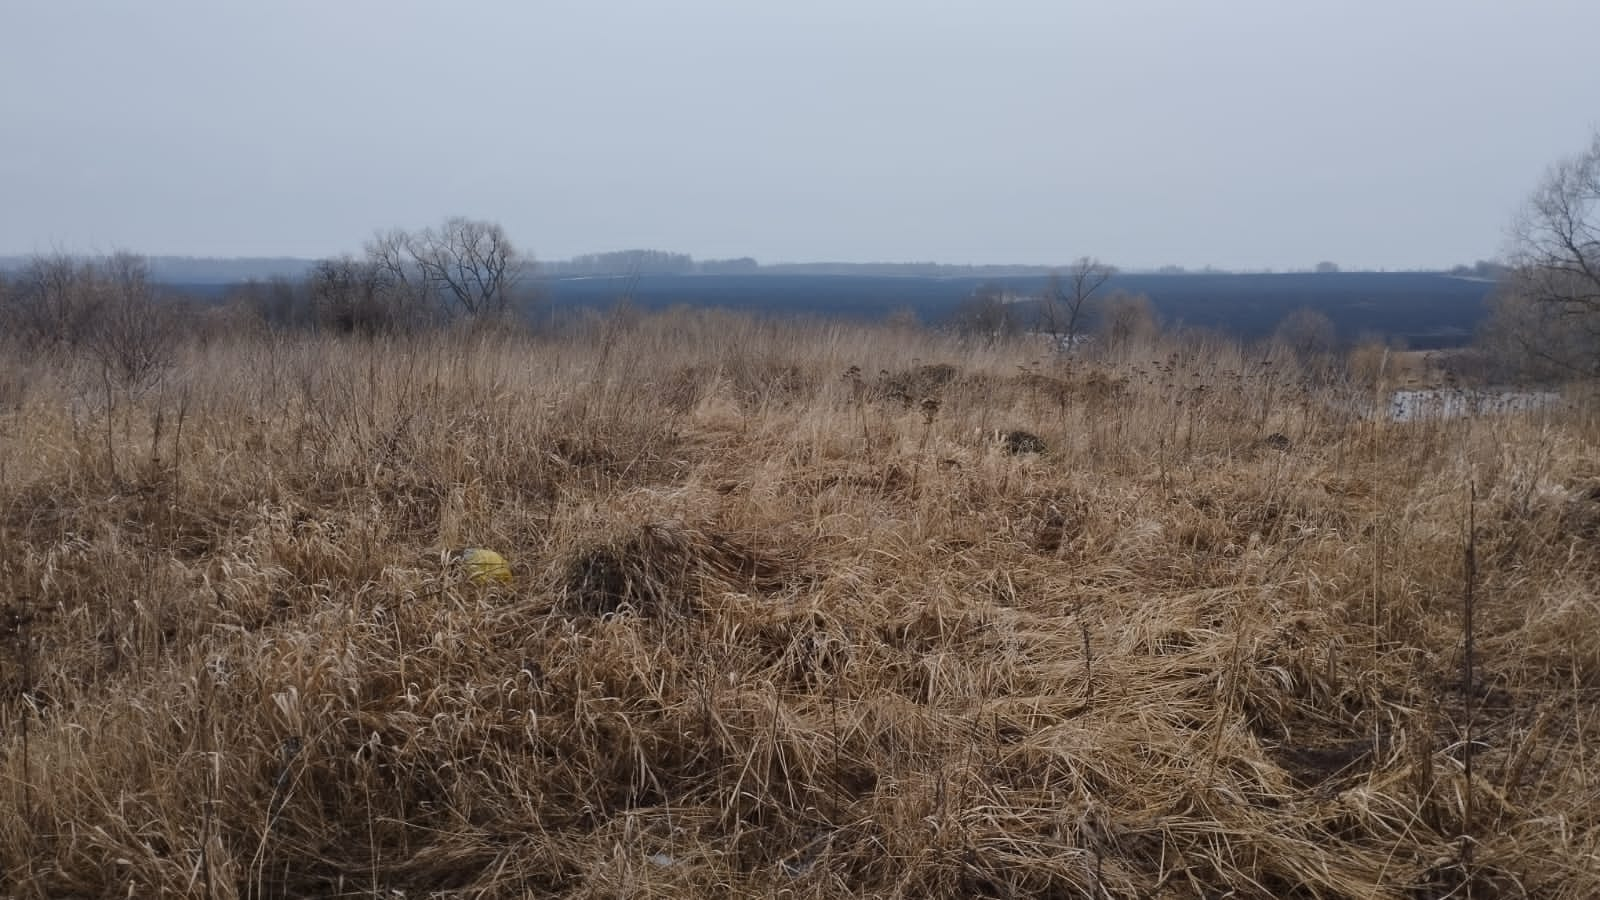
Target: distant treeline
point(646, 262)
point(201, 269)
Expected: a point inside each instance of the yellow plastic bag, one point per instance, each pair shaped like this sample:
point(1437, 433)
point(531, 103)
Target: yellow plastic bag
point(483, 566)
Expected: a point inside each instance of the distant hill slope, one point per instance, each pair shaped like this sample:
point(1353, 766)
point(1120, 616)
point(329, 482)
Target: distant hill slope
point(1424, 309)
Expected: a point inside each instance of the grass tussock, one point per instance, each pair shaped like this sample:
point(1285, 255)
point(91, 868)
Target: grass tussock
point(798, 610)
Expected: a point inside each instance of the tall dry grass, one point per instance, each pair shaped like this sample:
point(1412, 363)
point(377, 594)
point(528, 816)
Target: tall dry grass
point(780, 626)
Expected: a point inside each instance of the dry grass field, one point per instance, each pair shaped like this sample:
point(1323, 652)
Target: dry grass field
point(788, 618)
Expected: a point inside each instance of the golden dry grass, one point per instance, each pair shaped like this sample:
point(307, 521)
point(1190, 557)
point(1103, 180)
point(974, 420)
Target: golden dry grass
point(780, 628)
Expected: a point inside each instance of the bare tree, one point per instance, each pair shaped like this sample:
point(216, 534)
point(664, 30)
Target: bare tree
point(463, 267)
point(1063, 308)
point(1555, 268)
point(471, 265)
point(392, 255)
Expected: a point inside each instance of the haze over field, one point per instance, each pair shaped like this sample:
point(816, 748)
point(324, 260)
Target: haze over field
point(1245, 135)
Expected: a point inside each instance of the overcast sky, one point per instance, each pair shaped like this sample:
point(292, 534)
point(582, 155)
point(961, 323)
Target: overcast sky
point(1240, 133)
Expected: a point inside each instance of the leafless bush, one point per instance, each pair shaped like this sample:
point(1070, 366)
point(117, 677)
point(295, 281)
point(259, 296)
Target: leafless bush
point(278, 303)
point(1126, 320)
point(1308, 334)
point(52, 301)
point(108, 308)
point(349, 295)
point(987, 315)
point(135, 331)
point(1538, 340)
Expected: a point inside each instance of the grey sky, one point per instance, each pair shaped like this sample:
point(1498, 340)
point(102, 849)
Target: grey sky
point(1390, 133)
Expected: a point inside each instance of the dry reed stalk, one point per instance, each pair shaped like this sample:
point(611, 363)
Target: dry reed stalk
point(1468, 660)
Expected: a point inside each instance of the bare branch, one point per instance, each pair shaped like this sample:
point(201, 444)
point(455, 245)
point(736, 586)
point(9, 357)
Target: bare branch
point(1551, 303)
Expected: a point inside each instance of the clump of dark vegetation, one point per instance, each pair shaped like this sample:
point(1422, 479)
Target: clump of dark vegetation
point(1017, 441)
point(666, 568)
point(909, 386)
